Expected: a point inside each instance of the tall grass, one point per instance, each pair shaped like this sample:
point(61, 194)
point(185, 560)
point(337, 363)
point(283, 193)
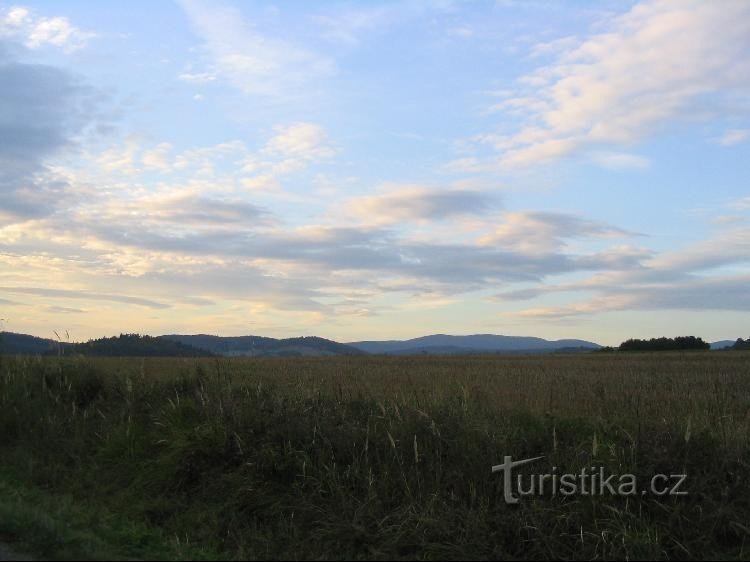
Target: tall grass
point(374, 457)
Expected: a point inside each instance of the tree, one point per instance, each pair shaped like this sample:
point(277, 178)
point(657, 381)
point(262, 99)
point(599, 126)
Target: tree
point(665, 344)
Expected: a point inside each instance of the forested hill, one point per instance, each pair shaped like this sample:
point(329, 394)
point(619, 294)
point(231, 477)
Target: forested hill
point(134, 345)
point(310, 346)
point(124, 345)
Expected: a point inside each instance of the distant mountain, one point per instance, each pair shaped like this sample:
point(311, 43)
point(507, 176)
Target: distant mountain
point(441, 344)
point(261, 346)
point(723, 344)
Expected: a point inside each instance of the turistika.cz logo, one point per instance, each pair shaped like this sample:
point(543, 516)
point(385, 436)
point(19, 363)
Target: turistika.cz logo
point(590, 481)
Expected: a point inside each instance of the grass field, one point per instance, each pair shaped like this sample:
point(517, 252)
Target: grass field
point(372, 457)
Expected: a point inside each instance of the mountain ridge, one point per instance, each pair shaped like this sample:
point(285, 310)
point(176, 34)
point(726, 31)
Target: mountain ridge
point(475, 343)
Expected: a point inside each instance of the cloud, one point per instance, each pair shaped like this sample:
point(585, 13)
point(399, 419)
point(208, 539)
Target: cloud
point(349, 26)
point(660, 62)
point(302, 141)
point(85, 295)
point(403, 203)
point(708, 275)
point(157, 157)
point(174, 215)
point(290, 148)
point(20, 24)
point(620, 161)
point(43, 108)
point(464, 31)
point(537, 231)
point(255, 63)
point(722, 293)
point(734, 136)
point(741, 204)
point(197, 78)
point(64, 310)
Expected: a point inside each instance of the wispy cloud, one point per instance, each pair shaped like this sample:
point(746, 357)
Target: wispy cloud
point(734, 136)
point(251, 60)
point(657, 63)
point(709, 275)
point(541, 232)
point(85, 295)
point(620, 160)
point(405, 203)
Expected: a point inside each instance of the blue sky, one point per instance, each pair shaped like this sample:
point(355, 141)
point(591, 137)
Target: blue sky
point(376, 170)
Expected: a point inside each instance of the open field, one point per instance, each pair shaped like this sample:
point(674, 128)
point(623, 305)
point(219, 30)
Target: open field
point(373, 457)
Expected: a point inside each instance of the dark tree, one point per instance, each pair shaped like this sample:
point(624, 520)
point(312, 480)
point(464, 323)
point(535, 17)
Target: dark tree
point(665, 344)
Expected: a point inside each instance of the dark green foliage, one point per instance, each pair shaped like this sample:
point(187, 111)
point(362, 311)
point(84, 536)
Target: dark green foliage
point(665, 344)
point(742, 344)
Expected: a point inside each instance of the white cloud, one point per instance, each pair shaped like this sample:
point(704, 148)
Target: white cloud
point(302, 140)
point(348, 26)
point(734, 136)
point(289, 149)
point(157, 157)
point(742, 204)
point(21, 24)
point(462, 31)
point(254, 62)
point(197, 78)
point(620, 160)
point(659, 62)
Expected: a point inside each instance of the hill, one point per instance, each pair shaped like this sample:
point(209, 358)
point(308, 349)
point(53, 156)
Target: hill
point(23, 344)
point(124, 345)
point(442, 344)
point(134, 345)
point(310, 346)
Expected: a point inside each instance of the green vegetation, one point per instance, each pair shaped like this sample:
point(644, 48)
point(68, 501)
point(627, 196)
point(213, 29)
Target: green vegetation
point(741, 344)
point(374, 457)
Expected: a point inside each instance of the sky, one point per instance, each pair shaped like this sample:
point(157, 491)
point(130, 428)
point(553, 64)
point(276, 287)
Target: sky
point(378, 170)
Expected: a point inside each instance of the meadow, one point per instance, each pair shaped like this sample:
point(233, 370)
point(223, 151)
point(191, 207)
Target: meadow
point(371, 457)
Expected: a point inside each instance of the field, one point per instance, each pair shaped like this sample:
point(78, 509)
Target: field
point(372, 457)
